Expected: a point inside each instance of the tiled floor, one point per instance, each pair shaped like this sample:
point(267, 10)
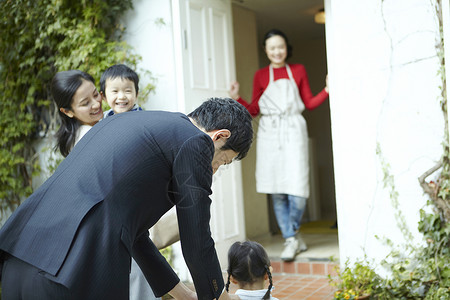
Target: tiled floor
point(306, 278)
point(299, 287)
point(294, 287)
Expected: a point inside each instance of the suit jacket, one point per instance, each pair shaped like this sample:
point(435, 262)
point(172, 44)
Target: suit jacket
point(85, 222)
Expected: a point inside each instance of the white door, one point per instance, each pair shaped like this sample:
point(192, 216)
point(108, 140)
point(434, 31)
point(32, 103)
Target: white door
point(205, 60)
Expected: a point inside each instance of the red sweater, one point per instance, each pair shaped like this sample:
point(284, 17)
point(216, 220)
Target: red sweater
point(261, 81)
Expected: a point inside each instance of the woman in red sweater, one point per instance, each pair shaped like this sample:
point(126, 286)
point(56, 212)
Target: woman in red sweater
point(280, 94)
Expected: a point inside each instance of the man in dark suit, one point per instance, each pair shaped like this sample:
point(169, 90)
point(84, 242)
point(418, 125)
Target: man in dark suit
point(73, 238)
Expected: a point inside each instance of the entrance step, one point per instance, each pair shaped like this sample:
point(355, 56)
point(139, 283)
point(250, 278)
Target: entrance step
point(303, 267)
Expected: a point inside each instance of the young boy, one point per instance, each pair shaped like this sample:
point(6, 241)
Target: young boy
point(119, 86)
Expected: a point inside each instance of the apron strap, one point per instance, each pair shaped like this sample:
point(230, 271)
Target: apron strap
point(291, 77)
point(270, 74)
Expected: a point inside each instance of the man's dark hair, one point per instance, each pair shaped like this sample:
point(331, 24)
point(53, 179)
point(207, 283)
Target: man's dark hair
point(121, 71)
point(226, 113)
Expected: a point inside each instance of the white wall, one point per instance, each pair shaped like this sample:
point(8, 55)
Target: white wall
point(384, 90)
point(154, 42)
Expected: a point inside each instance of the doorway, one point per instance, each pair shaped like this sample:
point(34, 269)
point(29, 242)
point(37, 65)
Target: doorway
point(251, 19)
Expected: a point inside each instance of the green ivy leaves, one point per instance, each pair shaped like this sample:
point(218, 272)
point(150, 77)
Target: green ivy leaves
point(39, 38)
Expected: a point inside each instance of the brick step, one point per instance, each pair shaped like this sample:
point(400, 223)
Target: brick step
point(305, 267)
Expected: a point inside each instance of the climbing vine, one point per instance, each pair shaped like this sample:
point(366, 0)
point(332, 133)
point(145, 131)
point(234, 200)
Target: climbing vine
point(439, 190)
point(39, 38)
point(423, 272)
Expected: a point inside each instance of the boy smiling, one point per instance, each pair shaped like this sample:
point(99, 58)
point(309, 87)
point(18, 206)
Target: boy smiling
point(119, 86)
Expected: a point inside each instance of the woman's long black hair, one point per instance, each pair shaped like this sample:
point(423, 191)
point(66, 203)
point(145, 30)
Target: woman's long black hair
point(64, 86)
point(248, 262)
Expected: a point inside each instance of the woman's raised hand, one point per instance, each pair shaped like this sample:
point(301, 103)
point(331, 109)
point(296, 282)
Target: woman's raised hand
point(234, 90)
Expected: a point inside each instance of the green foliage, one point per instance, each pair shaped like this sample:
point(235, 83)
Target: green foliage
point(168, 254)
point(421, 273)
point(415, 271)
point(39, 38)
point(426, 273)
point(355, 281)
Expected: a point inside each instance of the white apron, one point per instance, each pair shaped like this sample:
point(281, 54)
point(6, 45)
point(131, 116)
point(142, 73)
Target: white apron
point(282, 164)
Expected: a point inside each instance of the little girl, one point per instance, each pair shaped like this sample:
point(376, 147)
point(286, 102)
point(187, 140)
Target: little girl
point(249, 267)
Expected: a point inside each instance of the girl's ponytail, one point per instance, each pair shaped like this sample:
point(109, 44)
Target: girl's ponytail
point(269, 274)
point(227, 286)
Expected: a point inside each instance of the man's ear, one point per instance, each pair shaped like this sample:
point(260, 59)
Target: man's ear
point(220, 137)
point(220, 134)
point(67, 112)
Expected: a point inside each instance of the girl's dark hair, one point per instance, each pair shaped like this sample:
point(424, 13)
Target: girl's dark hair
point(248, 262)
point(64, 86)
point(275, 32)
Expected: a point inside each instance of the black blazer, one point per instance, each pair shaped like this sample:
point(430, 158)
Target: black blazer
point(83, 224)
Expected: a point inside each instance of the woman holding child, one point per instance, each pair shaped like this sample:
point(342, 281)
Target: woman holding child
point(80, 107)
point(79, 102)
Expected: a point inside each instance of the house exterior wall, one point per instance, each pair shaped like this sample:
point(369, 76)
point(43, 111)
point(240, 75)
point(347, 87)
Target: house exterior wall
point(151, 36)
point(384, 91)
